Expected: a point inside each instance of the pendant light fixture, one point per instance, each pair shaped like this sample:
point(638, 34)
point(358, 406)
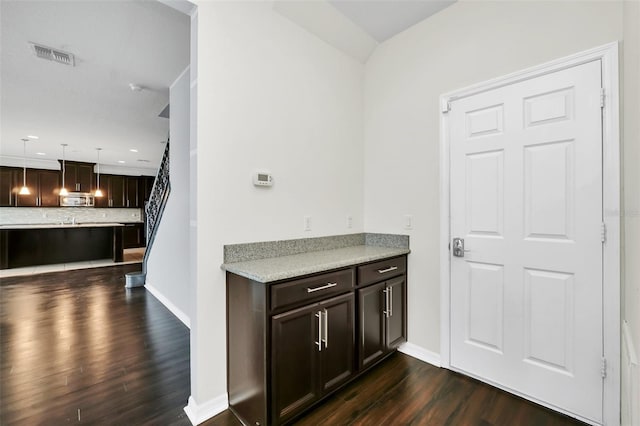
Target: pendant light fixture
point(24, 190)
point(63, 190)
point(98, 192)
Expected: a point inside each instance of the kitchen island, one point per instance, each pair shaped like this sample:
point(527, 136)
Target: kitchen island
point(45, 244)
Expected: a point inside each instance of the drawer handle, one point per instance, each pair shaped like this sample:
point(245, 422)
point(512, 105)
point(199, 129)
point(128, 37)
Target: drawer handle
point(389, 269)
point(324, 287)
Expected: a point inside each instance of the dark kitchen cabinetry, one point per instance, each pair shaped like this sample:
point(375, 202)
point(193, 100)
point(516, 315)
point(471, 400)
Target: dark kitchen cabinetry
point(382, 309)
point(78, 177)
point(8, 186)
point(124, 191)
point(293, 342)
point(133, 235)
point(44, 186)
point(319, 341)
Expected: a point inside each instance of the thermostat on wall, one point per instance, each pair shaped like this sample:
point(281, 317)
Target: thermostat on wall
point(262, 179)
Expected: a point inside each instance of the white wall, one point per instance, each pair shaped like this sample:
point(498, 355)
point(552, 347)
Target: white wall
point(631, 220)
point(466, 43)
point(168, 262)
point(270, 96)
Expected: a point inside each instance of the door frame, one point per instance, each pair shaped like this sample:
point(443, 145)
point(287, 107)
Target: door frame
point(608, 55)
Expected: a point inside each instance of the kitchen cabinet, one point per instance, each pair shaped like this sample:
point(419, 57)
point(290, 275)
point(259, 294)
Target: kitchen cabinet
point(293, 342)
point(319, 341)
point(78, 177)
point(44, 186)
point(124, 191)
point(133, 235)
point(8, 186)
point(382, 309)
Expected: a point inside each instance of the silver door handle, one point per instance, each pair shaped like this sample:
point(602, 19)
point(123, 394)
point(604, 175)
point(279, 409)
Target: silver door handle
point(389, 269)
point(386, 302)
point(326, 328)
point(324, 287)
point(319, 342)
point(458, 247)
point(390, 301)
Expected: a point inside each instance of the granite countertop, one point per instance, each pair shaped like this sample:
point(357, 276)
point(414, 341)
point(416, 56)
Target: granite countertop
point(283, 267)
point(60, 225)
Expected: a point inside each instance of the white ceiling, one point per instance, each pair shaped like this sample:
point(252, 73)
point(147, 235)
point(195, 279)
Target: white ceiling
point(90, 105)
point(382, 19)
point(118, 42)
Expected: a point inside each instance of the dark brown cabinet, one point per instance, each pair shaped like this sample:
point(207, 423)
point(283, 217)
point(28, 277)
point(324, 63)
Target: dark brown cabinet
point(293, 342)
point(382, 319)
point(319, 340)
point(133, 235)
point(381, 309)
point(78, 177)
point(8, 186)
point(124, 191)
point(44, 186)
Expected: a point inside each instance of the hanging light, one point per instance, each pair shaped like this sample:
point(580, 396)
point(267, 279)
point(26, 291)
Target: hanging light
point(98, 192)
point(63, 190)
point(24, 190)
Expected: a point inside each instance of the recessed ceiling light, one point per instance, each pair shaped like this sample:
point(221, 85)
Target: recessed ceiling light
point(32, 137)
point(133, 150)
point(40, 153)
point(121, 161)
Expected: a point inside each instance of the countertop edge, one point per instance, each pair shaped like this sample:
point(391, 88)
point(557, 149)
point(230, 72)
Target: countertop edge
point(236, 268)
point(65, 226)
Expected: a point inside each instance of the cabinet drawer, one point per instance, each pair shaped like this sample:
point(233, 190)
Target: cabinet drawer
point(311, 288)
point(378, 271)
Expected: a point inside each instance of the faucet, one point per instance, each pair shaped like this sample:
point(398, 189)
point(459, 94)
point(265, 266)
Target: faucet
point(73, 220)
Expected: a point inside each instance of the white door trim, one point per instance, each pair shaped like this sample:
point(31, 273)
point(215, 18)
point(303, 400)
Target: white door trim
point(608, 55)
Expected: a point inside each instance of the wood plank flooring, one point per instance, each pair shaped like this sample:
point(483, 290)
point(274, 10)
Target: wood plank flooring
point(77, 348)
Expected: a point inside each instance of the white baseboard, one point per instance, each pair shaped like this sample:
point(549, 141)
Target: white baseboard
point(421, 353)
point(184, 318)
point(199, 413)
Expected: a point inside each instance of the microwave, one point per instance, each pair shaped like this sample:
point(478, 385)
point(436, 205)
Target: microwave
point(77, 199)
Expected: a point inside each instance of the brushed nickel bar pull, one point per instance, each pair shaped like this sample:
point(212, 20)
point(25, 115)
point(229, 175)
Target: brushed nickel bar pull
point(326, 329)
point(319, 342)
point(390, 301)
point(389, 269)
point(324, 287)
point(386, 303)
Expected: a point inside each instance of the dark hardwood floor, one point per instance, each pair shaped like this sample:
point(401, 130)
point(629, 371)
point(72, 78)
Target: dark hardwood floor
point(76, 347)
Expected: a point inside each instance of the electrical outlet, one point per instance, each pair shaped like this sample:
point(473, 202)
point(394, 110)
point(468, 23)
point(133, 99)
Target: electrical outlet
point(349, 221)
point(307, 223)
point(408, 221)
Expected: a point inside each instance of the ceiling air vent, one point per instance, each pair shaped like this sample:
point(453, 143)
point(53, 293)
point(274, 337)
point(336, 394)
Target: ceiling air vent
point(51, 54)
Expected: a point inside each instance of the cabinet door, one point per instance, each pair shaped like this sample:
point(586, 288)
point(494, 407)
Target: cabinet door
point(84, 177)
point(105, 181)
point(295, 336)
point(30, 200)
point(116, 191)
point(338, 341)
point(7, 194)
point(48, 188)
point(372, 323)
point(133, 191)
point(397, 320)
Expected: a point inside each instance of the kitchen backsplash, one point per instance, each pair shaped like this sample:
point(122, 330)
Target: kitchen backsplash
point(42, 215)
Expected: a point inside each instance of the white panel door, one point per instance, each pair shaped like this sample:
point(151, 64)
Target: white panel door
point(526, 197)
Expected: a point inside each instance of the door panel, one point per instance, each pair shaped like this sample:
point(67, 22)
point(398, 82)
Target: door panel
point(526, 196)
point(372, 320)
point(294, 361)
point(397, 321)
point(337, 353)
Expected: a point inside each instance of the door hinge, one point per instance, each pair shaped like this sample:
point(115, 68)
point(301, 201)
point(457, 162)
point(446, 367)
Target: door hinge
point(602, 96)
point(603, 368)
point(445, 107)
point(603, 232)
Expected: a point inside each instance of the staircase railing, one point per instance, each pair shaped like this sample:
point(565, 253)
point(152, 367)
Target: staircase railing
point(156, 204)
